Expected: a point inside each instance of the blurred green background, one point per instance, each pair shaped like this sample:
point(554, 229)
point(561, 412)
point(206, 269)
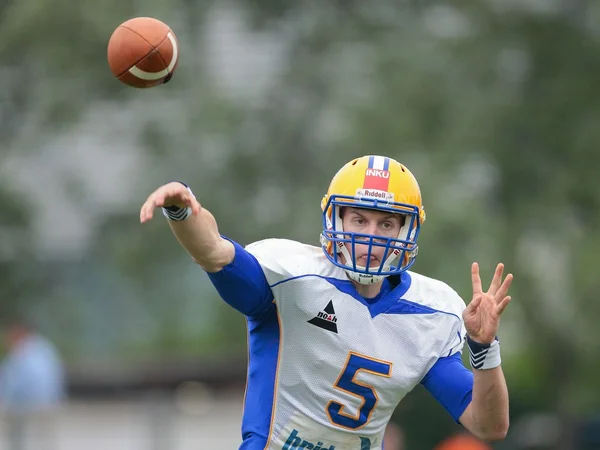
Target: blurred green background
point(493, 104)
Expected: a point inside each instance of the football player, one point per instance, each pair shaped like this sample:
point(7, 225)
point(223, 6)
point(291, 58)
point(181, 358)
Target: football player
point(338, 335)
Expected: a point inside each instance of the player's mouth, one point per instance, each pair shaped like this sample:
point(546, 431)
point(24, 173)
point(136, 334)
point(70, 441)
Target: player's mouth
point(365, 261)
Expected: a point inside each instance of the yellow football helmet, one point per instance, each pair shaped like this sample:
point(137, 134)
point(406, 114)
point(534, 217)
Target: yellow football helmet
point(379, 183)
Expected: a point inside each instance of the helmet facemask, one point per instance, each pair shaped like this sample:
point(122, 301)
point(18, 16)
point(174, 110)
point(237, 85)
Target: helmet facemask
point(399, 254)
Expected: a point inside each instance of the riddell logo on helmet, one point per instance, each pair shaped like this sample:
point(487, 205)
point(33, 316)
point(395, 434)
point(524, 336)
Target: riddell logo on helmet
point(375, 193)
point(378, 173)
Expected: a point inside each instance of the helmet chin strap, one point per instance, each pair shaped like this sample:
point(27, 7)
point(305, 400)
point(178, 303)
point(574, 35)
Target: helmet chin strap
point(364, 279)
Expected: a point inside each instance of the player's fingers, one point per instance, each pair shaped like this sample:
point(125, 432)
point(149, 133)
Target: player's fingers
point(176, 191)
point(186, 199)
point(148, 208)
point(147, 211)
point(503, 304)
point(505, 286)
point(496, 280)
point(195, 206)
point(171, 194)
point(475, 279)
point(189, 199)
point(156, 200)
point(159, 199)
point(474, 303)
point(177, 194)
point(143, 217)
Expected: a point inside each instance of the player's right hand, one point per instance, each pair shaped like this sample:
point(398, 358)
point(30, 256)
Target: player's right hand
point(170, 194)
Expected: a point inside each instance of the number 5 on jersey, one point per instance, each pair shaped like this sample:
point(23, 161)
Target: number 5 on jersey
point(346, 382)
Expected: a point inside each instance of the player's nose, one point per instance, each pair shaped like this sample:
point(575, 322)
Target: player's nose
point(371, 228)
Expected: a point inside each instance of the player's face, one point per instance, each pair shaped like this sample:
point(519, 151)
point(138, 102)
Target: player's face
point(367, 221)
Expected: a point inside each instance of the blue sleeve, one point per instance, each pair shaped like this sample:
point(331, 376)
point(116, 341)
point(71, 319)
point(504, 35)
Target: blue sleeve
point(451, 384)
point(242, 283)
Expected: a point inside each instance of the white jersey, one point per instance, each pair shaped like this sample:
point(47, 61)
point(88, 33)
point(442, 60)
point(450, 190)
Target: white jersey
point(337, 365)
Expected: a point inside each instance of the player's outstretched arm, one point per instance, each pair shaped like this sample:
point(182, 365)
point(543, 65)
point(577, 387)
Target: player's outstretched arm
point(198, 233)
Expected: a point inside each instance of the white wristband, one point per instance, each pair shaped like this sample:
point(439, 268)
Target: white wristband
point(484, 356)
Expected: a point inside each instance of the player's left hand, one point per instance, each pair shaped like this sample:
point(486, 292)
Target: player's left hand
point(482, 316)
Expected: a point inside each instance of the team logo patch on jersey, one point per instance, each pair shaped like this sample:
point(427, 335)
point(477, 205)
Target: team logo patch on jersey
point(326, 319)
